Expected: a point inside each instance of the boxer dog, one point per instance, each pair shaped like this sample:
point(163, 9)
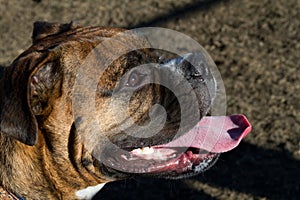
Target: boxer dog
point(47, 151)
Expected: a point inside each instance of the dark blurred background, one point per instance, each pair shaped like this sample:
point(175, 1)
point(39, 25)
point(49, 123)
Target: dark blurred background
point(256, 46)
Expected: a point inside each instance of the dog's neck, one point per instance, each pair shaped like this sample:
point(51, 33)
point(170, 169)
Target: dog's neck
point(14, 154)
point(10, 155)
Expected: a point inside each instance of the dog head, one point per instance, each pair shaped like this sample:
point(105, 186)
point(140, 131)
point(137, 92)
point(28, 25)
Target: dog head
point(119, 117)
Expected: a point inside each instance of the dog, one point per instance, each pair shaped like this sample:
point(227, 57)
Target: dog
point(50, 147)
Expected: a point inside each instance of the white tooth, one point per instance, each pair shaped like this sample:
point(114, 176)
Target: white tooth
point(148, 150)
point(145, 150)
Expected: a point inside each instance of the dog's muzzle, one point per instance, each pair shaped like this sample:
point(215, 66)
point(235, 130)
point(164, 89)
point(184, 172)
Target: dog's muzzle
point(194, 68)
point(198, 142)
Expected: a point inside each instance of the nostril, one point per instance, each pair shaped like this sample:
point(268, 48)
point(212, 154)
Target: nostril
point(192, 66)
point(198, 77)
point(191, 71)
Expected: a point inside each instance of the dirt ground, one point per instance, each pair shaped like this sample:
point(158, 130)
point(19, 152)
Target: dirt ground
point(256, 45)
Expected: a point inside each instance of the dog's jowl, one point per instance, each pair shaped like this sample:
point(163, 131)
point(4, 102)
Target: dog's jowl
point(74, 116)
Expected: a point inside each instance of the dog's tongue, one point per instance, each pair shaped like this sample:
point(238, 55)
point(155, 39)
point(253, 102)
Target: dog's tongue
point(214, 134)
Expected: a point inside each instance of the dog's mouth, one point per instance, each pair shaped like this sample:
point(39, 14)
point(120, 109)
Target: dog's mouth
point(190, 154)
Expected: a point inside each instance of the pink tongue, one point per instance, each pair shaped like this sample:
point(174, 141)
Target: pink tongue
point(214, 134)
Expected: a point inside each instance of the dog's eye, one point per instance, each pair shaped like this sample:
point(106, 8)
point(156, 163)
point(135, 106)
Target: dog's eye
point(134, 79)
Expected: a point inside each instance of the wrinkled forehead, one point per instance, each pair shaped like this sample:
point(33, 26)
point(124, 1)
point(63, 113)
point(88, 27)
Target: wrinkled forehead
point(96, 46)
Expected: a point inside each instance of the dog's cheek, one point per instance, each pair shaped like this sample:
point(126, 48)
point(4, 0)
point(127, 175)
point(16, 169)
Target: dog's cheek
point(45, 86)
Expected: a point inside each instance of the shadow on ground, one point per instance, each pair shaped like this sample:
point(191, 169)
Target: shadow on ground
point(199, 6)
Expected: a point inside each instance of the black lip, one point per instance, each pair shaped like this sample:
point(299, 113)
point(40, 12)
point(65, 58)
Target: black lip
point(114, 162)
point(209, 163)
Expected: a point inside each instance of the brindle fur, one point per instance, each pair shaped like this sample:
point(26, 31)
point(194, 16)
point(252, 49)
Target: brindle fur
point(41, 156)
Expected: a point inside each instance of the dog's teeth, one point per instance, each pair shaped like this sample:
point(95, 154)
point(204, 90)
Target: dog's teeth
point(144, 150)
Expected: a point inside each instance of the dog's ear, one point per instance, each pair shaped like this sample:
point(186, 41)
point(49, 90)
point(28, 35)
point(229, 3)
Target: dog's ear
point(25, 91)
point(43, 29)
point(16, 117)
point(45, 86)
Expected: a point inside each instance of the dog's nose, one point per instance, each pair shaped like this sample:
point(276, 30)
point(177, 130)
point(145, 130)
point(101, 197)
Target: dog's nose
point(190, 66)
point(194, 68)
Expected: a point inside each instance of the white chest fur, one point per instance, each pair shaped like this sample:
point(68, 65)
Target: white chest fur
point(89, 192)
